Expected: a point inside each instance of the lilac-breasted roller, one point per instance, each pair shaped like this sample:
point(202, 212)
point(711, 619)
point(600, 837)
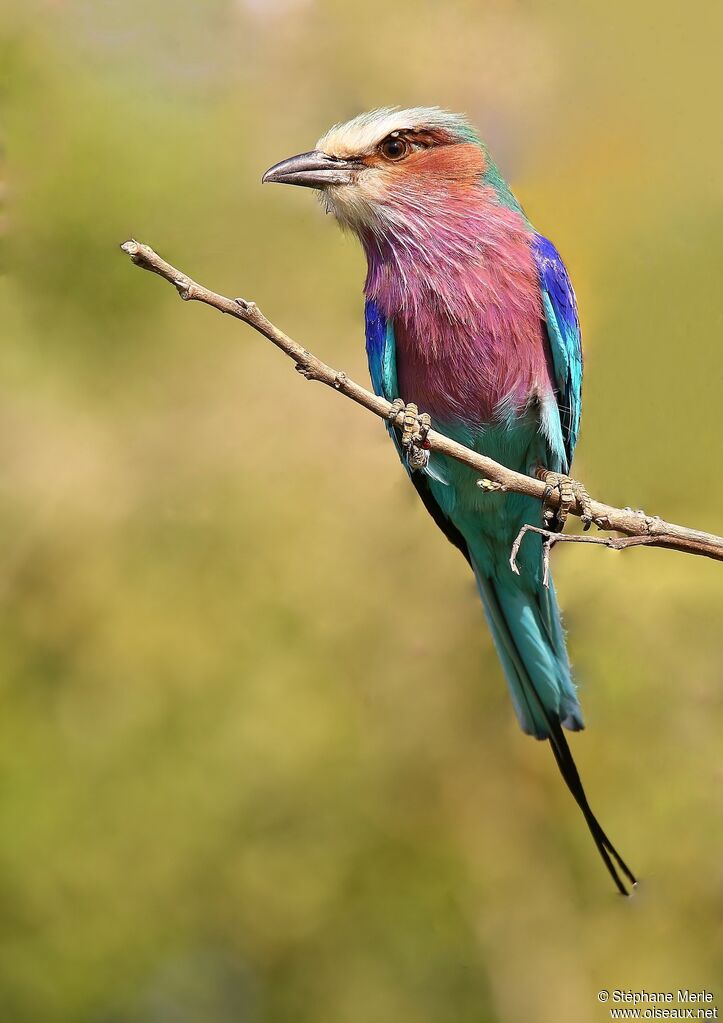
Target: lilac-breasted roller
point(470, 316)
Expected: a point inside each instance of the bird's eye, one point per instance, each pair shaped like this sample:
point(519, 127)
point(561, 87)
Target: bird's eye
point(394, 148)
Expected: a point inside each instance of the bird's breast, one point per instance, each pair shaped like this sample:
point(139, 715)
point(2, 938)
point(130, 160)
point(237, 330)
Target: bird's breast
point(463, 293)
point(479, 370)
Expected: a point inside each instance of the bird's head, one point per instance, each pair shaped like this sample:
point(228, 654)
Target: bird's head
point(383, 164)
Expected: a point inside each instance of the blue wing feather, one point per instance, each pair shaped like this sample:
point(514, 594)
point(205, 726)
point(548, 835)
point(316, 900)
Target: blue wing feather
point(382, 356)
point(563, 332)
point(381, 352)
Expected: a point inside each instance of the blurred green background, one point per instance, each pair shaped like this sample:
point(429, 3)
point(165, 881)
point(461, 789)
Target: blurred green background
point(240, 779)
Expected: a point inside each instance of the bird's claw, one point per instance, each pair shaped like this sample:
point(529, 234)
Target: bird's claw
point(415, 427)
point(569, 490)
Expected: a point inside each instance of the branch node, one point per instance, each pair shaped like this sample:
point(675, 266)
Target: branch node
point(654, 525)
point(132, 248)
point(305, 370)
point(340, 379)
point(490, 486)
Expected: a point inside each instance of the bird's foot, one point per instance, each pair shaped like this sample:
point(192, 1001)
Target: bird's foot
point(569, 490)
point(415, 427)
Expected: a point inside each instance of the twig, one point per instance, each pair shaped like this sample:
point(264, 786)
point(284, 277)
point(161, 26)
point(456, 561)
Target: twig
point(616, 543)
point(647, 530)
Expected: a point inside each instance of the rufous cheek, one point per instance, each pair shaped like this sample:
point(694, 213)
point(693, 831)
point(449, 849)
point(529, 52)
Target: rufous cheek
point(462, 163)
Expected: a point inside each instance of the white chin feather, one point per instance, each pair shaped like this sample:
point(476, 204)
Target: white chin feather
point(359, 206)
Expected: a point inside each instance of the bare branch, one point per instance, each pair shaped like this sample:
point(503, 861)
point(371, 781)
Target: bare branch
point(616, 543)
point(639, 529)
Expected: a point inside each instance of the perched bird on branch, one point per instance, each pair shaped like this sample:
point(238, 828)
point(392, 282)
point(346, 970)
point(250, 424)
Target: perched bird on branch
point(470, 316)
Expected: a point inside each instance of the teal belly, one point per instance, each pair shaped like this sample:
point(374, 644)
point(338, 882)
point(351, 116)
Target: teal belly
point(490, 521)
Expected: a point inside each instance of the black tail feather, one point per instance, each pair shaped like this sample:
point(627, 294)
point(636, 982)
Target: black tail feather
point(570, 774)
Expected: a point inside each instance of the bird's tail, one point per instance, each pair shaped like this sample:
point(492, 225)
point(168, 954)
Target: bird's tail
point(526, 627)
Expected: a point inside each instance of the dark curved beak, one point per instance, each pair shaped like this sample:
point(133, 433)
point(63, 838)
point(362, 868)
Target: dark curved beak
point(313, 170)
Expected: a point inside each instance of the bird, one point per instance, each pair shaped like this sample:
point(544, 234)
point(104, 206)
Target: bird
point(470, 316)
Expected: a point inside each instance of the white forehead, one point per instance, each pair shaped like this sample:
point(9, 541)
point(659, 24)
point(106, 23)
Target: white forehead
point(363, 133)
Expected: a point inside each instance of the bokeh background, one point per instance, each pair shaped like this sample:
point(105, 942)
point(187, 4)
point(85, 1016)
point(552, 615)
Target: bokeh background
point(242, 779)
